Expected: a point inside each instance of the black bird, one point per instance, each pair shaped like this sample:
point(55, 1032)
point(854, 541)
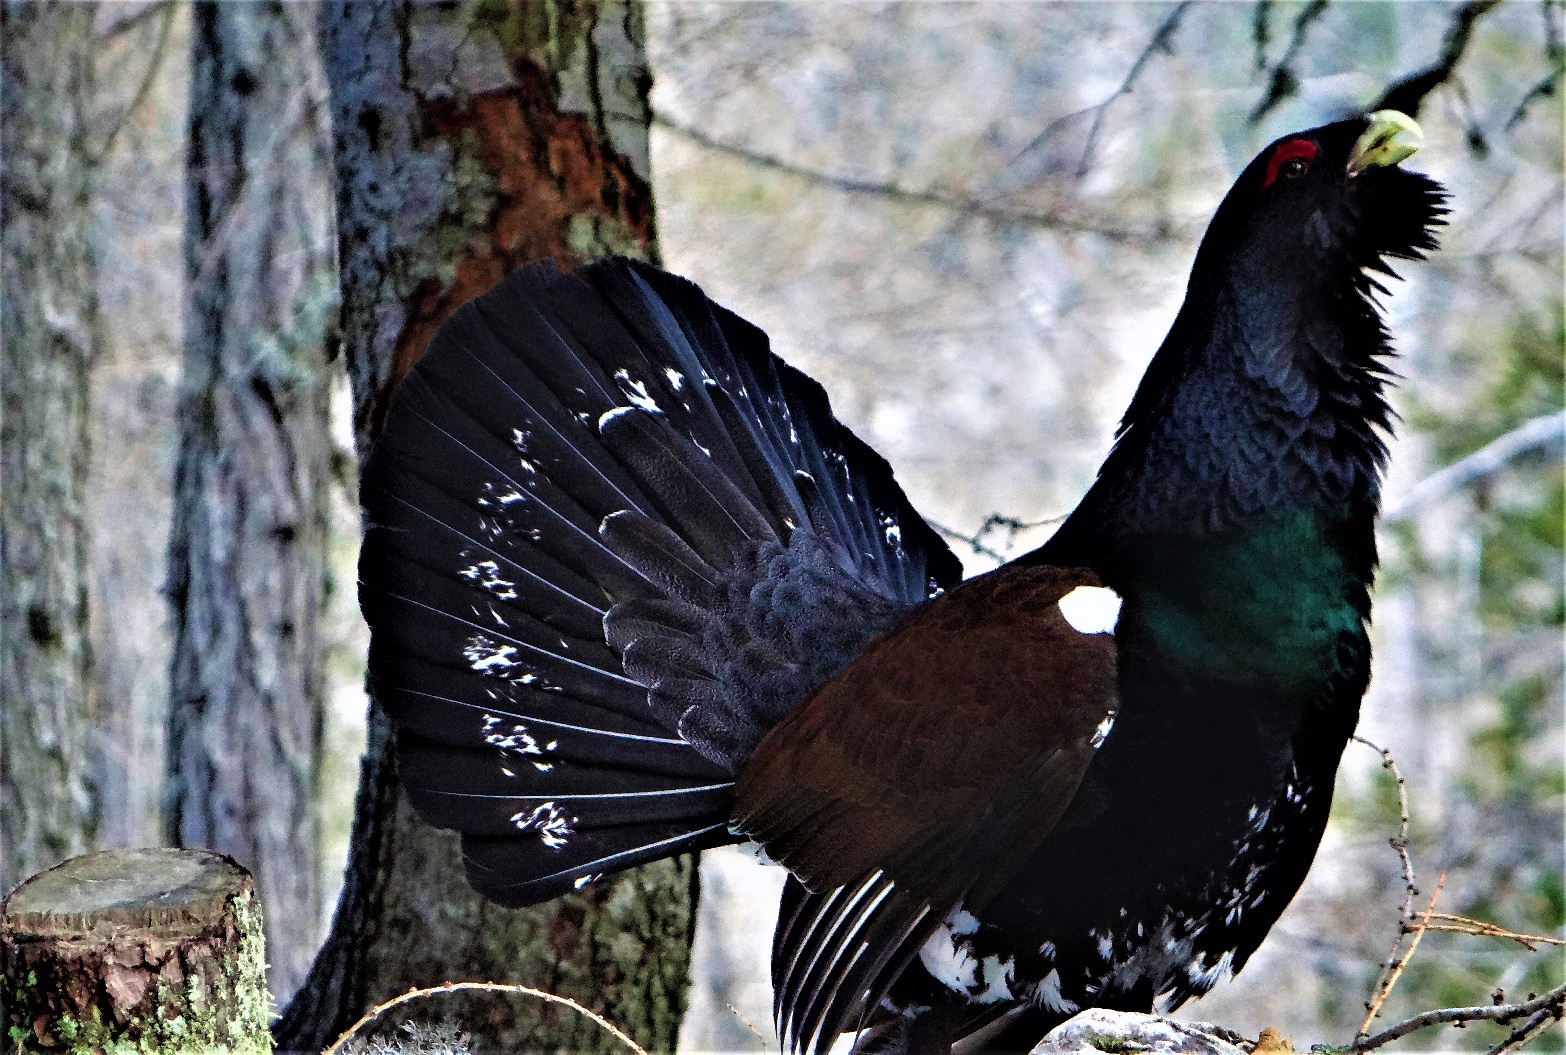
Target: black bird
point(634, 591)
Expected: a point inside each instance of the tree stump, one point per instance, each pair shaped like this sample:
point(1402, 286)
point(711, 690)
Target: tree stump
point(155, 952)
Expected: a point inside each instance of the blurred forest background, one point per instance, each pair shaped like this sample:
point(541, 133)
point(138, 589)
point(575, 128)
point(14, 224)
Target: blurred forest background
point(971, 222)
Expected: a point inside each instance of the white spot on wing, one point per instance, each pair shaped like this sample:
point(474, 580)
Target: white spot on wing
point(1048, 995)
point(1099, 736)
point(1091, 609)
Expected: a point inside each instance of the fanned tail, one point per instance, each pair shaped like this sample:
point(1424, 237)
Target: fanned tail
point(611, 541)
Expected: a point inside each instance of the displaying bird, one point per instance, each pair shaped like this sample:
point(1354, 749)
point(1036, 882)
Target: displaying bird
point(633, 592)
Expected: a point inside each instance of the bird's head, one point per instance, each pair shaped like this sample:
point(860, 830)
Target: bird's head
point(1332, 200)
point(1270, 387)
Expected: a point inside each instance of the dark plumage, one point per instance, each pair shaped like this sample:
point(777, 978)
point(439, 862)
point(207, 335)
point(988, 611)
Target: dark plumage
point(633, 591)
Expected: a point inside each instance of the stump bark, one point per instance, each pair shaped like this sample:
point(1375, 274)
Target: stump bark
point(155, 951)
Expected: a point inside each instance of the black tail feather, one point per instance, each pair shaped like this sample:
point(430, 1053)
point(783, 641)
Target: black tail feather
point(611, 540)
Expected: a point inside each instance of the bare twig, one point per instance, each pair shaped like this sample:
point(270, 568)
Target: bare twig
point(1478, 928)
point(894, 192)
point(481, 987)
point(746, 1023)
point(1400, 843)
point(1261, 31)
point(994, 521)
point(972, 540)
point(129, 22)
point(1555, 55)
point(1408, 93)
point(1385, 990)
point(1552, 1005)
point(1158, 43)
point(149, 78)
point(1283, 82)
point(1526, 1032)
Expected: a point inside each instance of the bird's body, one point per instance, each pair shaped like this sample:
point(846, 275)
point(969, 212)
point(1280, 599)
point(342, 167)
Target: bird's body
point(635, 592)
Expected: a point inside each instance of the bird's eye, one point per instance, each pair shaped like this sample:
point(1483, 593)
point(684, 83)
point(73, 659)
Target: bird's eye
point(1291, 160)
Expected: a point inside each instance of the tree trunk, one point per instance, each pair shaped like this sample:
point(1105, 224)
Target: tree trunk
point(48, 802)
point(158, 952)
point(471, 139)
point(247, 553)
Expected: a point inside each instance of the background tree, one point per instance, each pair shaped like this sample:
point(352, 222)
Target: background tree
point(248, 548)
point(48, 797)
point(471, 139)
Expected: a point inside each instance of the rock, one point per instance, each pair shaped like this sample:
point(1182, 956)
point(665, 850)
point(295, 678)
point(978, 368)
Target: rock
point(1100, 1032)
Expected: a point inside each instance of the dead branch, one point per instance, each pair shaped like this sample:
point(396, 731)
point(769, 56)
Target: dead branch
point(480, 987)
point(1400, 843)
point(1478, 928)
point(1160, 42)
point(1545, 430)
point(1282, 81)
point(895, 192)
point(994, 521)
point(1261, 31)
point(1554, 55)
point(974, 541)
point(148, 79)
point(1408, 93)
point(1551, 1006)
point(1401, 961)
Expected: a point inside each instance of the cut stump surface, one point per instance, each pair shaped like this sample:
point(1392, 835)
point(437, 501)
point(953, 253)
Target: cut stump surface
point(154, 952)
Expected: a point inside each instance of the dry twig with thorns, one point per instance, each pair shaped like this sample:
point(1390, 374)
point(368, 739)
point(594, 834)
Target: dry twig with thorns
point(1537, 1013)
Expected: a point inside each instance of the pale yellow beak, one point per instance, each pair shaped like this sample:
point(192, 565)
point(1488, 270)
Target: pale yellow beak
point(1391, 137)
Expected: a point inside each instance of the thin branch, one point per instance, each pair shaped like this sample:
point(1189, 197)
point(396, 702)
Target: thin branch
point(892, 191)
point(1478, 928)
point(144, 89)
point(1555, 55)
point(972, 540)
point(480, 987)
point(994, 521)
point(1541, 431)
point(1385, 990)
point(1545, 89)
point(131, 21)
point(1283, 82)
point(1400, 843)
point(1160, 42)
point(1408, 93)
point(1530, 1029)
point(1552, 1004)
point(1261, 31)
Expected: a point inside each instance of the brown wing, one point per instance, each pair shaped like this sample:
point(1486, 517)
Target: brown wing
point(920, 777)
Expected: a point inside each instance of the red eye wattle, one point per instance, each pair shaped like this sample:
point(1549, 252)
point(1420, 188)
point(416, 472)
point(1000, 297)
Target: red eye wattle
point(1294, 150)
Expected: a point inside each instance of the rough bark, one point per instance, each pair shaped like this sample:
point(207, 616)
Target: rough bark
point(158, 952)
point(48, 802)
point(247, 553)
point(470, 139)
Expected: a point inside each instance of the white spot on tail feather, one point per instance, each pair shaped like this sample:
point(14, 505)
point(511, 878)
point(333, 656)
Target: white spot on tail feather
point(553, 824)
point(636, 392)
point(948, 956)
